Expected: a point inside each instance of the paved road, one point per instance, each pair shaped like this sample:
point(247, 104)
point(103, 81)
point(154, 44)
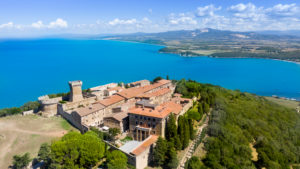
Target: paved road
point(188, 154)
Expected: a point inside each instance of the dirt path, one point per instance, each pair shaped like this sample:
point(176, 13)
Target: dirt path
point(188, 154)
point(21, 134)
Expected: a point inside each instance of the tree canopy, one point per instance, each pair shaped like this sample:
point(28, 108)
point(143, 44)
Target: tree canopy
point(77, 150)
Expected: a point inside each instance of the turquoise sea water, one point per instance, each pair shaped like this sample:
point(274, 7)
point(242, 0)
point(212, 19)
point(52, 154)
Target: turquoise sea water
point(30, 68)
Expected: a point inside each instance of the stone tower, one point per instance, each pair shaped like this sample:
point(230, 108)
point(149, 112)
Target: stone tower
point(75, 91)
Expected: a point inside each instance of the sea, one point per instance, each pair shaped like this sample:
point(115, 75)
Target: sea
point(30, 68)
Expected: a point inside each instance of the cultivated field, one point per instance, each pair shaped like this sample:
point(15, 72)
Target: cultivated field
point(21, 134)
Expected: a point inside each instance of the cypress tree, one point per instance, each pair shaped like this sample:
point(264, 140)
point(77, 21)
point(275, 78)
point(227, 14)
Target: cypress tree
point(172, 161)
point(159, 152)
point(180, 129)
point(191, 128)
point(171, 129)
point(186, 133)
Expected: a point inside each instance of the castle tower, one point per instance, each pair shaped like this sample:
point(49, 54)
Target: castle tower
point(76, 92)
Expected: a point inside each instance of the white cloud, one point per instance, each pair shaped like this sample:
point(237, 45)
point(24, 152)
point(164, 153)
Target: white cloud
point(118, 21)
point(208, 10)
point(249, 11)
point(284, 10)
point(38, 25)
point(181, 19)
point(59, 23)
point(7, 25)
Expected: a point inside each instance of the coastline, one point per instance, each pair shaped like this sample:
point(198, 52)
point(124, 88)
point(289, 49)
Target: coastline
point(193, 56)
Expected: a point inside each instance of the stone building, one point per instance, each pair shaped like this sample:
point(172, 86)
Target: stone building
point(117, 120)
point(48, 106)
point(75, 91)
point(139, 153)
point(140, 83)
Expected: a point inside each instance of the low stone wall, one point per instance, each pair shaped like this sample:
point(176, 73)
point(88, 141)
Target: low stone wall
point(27, 112)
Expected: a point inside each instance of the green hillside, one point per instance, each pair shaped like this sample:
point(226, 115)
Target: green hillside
point(239, 119)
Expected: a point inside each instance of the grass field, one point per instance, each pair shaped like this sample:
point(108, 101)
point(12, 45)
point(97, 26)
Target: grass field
point(21, 134)
point(287, 103)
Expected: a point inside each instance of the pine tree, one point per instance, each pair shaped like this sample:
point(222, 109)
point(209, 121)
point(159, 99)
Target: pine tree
point(159, 152)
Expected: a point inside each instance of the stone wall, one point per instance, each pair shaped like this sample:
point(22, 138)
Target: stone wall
point(157, 125)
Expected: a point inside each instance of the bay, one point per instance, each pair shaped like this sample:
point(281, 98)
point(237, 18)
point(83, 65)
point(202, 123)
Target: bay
point(31, 68)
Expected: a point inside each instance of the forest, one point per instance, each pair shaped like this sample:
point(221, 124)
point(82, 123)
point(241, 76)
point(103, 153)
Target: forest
point(239, 119)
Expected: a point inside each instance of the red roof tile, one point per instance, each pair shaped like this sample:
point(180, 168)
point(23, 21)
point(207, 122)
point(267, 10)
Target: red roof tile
point(146, 143)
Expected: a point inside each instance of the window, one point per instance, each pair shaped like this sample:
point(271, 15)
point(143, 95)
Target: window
point(136, 116)
point(141, 123)
point(145, 118)
point(141, 117)
point(153, 119)
point(149, 118)
point(149, 125)
point(136, 122)
point(153, 126)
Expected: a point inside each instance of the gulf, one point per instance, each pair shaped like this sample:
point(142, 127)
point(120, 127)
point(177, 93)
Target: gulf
point(31, 68)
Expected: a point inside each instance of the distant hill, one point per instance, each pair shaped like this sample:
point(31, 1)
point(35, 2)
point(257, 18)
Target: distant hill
point(206, 34)
point(222, 43)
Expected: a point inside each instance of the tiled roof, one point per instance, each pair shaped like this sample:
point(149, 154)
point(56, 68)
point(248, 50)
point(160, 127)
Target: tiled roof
point(156, 93)
point(111, 100)
point(118, 116)
point(176, 108)
point(84, 111)
point(137, 91)
point(145, 144)
point(158, 112)
point(115, 88)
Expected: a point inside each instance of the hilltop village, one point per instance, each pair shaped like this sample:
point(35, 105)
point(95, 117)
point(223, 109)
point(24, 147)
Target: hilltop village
point(138, 110)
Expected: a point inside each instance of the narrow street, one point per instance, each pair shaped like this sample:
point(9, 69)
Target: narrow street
point(188, 154)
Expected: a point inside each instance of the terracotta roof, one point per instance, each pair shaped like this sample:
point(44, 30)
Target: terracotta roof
point(164, 81)
point(118, 116)
point(158, 112)
point(160, 92)
point(176, 108)
point(111, 100)
point(137, 91)
point(115, 88)
point(84, 111)
point(140, 81)
point(145, 144)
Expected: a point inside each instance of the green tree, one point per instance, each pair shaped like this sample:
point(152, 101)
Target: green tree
point(159, 152)
point(194, 163)
point(21, 161)
point(205, 107)
point(171, 128)
point(77, 150)
point(191, 129)
point(157, 79)
point(200, 109)
point(172, 161)
point(116, 160)
point(178, 144)
point(186, 134)
point(180, 129)
point(194, 114)
point(44, 154)
point(167, 77)
point(113, 132)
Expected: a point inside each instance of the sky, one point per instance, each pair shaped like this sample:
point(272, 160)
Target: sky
point(30, 18)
